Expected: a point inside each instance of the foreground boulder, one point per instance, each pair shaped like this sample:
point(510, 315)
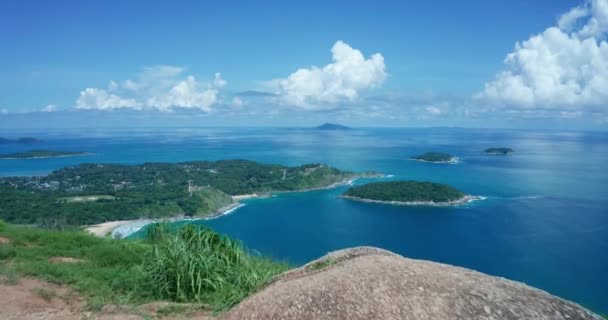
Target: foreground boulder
point(368, 283)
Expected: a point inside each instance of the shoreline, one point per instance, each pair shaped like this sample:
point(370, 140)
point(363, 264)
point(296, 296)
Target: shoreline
point(464, 200)
point(51, 157)
point(125, 228)
point(454, 160)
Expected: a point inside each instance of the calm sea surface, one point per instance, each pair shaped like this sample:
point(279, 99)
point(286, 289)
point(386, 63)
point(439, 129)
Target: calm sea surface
point(544, 222)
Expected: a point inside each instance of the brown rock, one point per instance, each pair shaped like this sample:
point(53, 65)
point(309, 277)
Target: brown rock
point(368, 283)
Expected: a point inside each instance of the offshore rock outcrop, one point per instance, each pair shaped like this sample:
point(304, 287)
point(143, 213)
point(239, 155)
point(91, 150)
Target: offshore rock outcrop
point(368, 283)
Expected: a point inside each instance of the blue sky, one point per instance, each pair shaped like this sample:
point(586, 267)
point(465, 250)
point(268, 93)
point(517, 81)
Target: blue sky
point(437, 63)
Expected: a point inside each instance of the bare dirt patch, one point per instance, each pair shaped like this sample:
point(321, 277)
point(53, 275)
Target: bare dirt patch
point(66, 260)
point(31, 299)
point(4, 240)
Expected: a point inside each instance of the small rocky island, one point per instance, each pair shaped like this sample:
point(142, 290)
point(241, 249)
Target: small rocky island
point(498, 151)
point(332, 127)
point(409, 193)
point(435, 157)
point(38, 154)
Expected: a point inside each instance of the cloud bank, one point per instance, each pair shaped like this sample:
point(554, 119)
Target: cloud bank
point(343, 80)
point(160, 87)
point(565, 68)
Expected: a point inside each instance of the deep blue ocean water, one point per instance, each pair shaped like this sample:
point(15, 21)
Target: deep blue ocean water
point(544, 222)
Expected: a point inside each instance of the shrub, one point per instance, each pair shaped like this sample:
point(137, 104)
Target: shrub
point(7, 252)
point(195, 264)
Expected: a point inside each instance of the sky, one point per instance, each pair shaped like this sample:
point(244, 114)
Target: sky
point(471, 63)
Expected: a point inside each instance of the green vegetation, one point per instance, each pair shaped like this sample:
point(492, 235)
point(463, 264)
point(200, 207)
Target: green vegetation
point(24, 140)
point(321, 264)
point(202, 266)
point(405, 191)
point(187, 265)
point(434, 157)
point(150, 190)
point(172, 309)
point(332, 126)
point(45, 294)
point(40, 154)
point(498, 150)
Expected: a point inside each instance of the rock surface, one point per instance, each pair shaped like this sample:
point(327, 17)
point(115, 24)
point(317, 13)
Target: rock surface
point(367, 283)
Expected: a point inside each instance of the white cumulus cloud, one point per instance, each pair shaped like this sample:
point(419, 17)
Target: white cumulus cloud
point(565, 67)
point(237, 102)
point(49, 108)
point(188, 93)
point(94, 98)
point(159, 87)
point(433, 110)
point(344, 79)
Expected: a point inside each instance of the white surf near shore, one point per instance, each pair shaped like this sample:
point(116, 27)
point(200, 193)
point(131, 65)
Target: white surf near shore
point(50, 157)
point(462, 201)
point(454, 160)
point(125, 228)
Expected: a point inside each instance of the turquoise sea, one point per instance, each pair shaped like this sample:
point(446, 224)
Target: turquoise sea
point(544, 222)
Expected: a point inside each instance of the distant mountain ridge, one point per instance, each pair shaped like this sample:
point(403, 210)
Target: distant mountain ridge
point(332, 126)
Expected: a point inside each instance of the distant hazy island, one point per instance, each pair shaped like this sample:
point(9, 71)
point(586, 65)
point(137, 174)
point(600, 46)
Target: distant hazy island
point(408, 193)
point(93, 193)
point(37, 154)
point(25, 140)
point(332, 126)
point(498, 151)
point(435, 157)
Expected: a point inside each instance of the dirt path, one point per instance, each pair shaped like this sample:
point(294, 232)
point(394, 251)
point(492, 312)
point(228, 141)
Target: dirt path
point(30, 299)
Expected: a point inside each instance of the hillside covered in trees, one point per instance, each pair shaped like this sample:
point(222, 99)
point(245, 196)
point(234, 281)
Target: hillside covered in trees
point(93, 193)
point(405, 192)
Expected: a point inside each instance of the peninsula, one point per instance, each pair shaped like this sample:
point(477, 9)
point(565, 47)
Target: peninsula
point(408, 193)
point(498, 151)
point(37, 154)
point(89, 194)
point(435, 157)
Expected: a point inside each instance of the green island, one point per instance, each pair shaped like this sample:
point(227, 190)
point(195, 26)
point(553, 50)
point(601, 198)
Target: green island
point(93, 193)
point(23, 140)
point(332, 127)
point(408, 193)
point(36, 154)
point(435, 157)
point(498, 151)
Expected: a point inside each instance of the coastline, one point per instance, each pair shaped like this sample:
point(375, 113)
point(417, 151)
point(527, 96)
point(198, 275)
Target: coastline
point(454, 160)
point(124, 228)
point(50, 157)
point(464, 200)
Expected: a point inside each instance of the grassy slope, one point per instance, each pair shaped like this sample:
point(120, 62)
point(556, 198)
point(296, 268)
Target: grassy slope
point(133, 272)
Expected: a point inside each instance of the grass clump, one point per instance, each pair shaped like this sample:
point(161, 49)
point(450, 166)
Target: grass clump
point(171, 309)
point(7, 252)
point(195, 264)
point(45, 294)
point(321, 264)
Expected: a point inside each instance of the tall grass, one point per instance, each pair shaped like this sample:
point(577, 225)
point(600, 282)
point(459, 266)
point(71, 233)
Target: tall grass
point(195, 264)
point(189, 264)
